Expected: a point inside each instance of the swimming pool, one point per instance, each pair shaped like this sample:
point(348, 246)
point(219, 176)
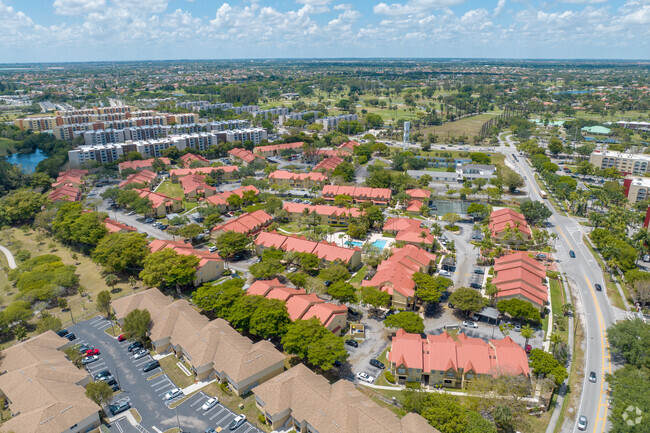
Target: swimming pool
point(380, 244)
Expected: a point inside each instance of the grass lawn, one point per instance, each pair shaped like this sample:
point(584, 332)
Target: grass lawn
point(469, 126)
point(291, 227)
point(7, 144)
point(557, 296)
point(90, 275)
point(170, 189)
point(233, 402)
point(178, 376)
point(358, 277)
point(612, 291)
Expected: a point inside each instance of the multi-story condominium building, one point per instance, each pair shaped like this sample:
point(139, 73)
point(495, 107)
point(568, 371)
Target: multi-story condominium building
point(256, 135)
point(297, 116)
point(36, 123)
point(183, 118)
point(245, 109)
point(636, 188)
point(101, 153)
point(331, 122)
point(95, 110)
point(101, 136)
point(225, 125)
point(188, 128)
point(638, 126)
point(625, 163)
point(204, 105)
point(67, 132)
point(278, 111)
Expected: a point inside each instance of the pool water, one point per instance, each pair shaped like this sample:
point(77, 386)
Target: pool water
point(379, 244)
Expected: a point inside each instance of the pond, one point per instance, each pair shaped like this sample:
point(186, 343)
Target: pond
point(28, 161)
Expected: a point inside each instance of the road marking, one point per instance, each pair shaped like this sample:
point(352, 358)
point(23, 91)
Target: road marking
point(166, 387)
point(197, 401)
point(216, 406)
point(251, 428)
point(119, 427)
point(217, 414)
point(164, 379)
point(225, 417)
point(153, 372)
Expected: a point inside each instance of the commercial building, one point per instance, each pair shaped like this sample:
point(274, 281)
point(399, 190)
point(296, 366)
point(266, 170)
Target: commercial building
point(359, 194)
point(395, 275)
point(453, 362)
point(509, 225)
point(210, 266)
point(302, 306)
point(328, 253)
point(636, 188)
point(297, 180)
point(518, 275)
point(332, 215)
point(247, 224)
point(625, 163)
point(44, 390)
point(306, 402)
point(475, 171)
point(213, 349)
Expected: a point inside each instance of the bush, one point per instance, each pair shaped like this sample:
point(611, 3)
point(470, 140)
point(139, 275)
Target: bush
point(262, 418)
point(452, 228)
point(413, 385)
point(224, 388)
point(389, 377)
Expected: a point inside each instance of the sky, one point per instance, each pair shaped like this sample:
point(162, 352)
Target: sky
point(98, 30)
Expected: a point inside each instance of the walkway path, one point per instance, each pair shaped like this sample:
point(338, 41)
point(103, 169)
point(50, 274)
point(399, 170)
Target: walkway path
point(10, 257)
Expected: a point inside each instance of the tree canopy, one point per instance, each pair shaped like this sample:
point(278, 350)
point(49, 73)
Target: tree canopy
point(119, 252)
point(467, 299)
point(137, 325)
point(407, 320)
point(167, 268)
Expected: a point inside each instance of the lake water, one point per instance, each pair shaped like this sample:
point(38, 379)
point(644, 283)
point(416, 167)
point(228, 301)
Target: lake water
point(29, 161)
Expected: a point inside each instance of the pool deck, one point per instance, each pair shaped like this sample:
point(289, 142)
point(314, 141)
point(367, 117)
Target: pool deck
point(341, 239)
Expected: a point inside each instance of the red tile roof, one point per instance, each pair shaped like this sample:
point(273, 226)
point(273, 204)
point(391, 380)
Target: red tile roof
point(156, 198)
point(332, 211)
point(142, 177)
point(358, 193)
point(329, 164)
point(518, 274)
point(141, 164)
point(349, 145)
point(324, 250)
point(188, 158)
point(245, 155)
point(278, 147)
point(184, 249)
point(414, 206)
point(297, 306)
point(263, 287)
point(115, 226)
point(247, 223)
point(70, 177)
point(443, 352)
point(399, 224)
point(414, 236)
point(501, 218)
point(287, 175)
point(221, 198)
point(179, 172)
point(418, 193)
point(195, 182)
point(65, 193)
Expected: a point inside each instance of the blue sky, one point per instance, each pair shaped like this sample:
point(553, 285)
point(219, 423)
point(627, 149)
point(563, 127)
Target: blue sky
point(93, 30)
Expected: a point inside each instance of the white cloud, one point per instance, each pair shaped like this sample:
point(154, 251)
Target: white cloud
point(314, 2)
point(636, 14)
point(142, 6)
point(413, 6)
point(501, 5)
point(77, 7)
point(584, 2)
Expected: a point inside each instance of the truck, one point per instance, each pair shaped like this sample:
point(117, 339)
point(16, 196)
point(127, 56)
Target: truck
point(543, 194)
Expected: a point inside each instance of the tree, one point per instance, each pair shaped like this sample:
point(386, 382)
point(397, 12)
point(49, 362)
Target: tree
point(519, 309)
point(104, 303)
point(190, 231)
point(270, 319)
point(630, 339)
point(266, 269)
point(218, 299)
point(407, 320)
point(342, 292)
point(167, 268)
point(231, 243)
point(301, 334)
point(467, 299)
point(47, 322)
point(326, 351)
point(555, 146)
point(20, 206)
point(137, 325)
point(535, 212)
point(100, 392)
point(629, 392)
point(111, 280)
point(375, 297)
point(477, 210)
point(451, 218)
point(234, 201)
point(527, 332)
point(334, 273)
point(428, 288)
point(513, 181)
point(343, 200)
point(119, 252)
point(545, 365)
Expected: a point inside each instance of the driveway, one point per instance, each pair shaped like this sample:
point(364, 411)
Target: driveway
point(466, 254)
point(146, 392)
point(10, 257)
point(375, 343)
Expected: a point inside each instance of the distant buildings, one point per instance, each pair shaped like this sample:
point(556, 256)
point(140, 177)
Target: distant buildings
point(331, 215)
point(624, 163)
point(142, 164)
point(636, 188)
point(637, 126)
point(298, 180)
point(276, 149)
point(332, 122)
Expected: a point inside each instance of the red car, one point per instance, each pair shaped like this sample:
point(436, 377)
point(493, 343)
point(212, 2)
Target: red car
point(121, 337)
point(92, 352)
point(528, 348)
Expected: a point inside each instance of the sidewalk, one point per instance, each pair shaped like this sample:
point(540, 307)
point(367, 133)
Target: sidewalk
point(427, 389)
point(196, 386)
point(10, 257)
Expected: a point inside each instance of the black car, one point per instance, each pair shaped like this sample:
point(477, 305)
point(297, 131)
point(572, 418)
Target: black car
point(352, 343)
point(71, 336)
point(480, 271)
point(376, 363)
point(572, 254)
point(150, 366)
point(119, 407)
point(135, 345)
point(84, 348)
point(102, 374)
point(598, 287)
point(62, 333)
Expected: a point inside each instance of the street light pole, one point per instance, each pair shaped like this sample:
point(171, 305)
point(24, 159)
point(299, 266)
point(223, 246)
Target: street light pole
point(71, 317)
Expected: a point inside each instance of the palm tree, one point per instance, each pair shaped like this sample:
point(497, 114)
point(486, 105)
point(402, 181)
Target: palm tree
point(527, 332)
point(111, 280)
point(555, 339)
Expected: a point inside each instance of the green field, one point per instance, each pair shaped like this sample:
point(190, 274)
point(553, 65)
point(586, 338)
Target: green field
point(7, 145)
point(469, 126)
point(171, 189)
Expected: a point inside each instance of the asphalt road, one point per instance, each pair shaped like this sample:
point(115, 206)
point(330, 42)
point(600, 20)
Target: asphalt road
point(594, 307)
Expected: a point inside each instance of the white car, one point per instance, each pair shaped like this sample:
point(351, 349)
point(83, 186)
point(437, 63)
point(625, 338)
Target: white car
point(444, 273)
point(469, 324)
point(89, 359)
point(237, 422)
point(140, 353)
point(365, 377)
point(176, 392)
point(210, 403)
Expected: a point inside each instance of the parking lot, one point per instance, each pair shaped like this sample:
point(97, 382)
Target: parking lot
point(146, 390)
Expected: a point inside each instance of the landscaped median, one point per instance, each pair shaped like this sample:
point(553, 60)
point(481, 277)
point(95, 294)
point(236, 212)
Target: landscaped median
point(170, 366)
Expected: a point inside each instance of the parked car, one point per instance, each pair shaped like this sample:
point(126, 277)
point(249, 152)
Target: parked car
point(89, 359)
point(140, 353)
point(212, 249)
point(480, 271)
point(352, 343)
point(598, 287)
point(365, 377)
point(572, 254)
point(210, 403)
point(149, 220)
point(517, 328)
point(84, 348)
point(237, 422)
point(121, 338)
point(163, 226)
point(646, 258)
point(210, 430)
point(592, 377)
point(119, 407)
point(470, 324)
point(377, 363)
point(529, 348)
point(150, 366)
point(582, 423)
point(176, 392)
point(134, 345)
point(102, 374)
point(62, 333)
point(71, 336)
point(444, 273)
point(91, 352)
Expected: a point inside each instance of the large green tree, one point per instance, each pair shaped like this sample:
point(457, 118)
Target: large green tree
point(103, 303)
point(467, 299)
point(100, 392)
point(231, 243)
point(630, 398)
point(20, 206)
point(119, 252)
point(535, 212)
point(219, 298)
point(137, 325)
point(167, 268)
point(428, 288)
point(406, 320)
point(630, 339)
point(310, 340)
point(544, 364)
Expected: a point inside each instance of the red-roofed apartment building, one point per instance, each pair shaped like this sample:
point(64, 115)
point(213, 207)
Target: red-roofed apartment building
point(409, 231)
point(328, 253)
point(210, 266)
point(298, 180)
point(276, 149)
point(378, 196)
point(117, 227)
point(145, 164)
point(220, 199)
point(144, 177)
point(395, 275)
point(245, 155)
point(65, 193)
point(194, 186)
point(189, 158)
point(161, 204)
point(348, 146)
point(518, 275)
point(331, 215)
point(229, 172)
point(303, 306)
point(71, 177)
point(248, 224)
point(443, 360)
point(505, 222)
point(329, 164)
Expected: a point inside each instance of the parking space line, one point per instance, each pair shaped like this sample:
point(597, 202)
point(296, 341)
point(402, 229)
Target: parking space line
point(216, 406)
point(217, 414)
point(119, 427)
point(225, 418)
point(153, 372)
point(164, 379)
point(166, 385)
point(166, 390)
point(197, 401)
point(144, 361)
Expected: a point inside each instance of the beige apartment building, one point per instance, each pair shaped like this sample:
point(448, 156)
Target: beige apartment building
point(625, 163)
point(636, 188)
